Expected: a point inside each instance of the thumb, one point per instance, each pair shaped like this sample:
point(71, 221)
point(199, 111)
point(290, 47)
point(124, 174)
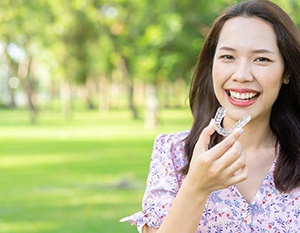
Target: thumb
point(204, 139)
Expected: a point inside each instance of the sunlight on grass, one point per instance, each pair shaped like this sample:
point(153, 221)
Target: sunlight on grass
point(29, 161)
point(77, 175)
point(32, 226)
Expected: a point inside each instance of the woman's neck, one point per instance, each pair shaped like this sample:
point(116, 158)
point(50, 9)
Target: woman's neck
point(257, 137)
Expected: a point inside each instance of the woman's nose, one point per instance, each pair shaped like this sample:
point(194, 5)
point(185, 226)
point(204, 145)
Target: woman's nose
point(242, 72)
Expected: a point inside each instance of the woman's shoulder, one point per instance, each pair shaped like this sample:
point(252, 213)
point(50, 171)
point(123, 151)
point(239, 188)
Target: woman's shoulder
point(171, 147)
point(173, 138)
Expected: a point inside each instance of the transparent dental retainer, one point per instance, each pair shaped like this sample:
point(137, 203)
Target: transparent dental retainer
point(220, 114)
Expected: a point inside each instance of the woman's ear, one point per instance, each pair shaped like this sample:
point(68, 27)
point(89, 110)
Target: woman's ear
point(286, 79)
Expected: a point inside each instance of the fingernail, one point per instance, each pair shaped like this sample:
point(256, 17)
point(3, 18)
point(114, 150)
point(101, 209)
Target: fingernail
point(241, 131)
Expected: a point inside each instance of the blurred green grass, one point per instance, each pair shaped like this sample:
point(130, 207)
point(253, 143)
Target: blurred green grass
point(79, 175)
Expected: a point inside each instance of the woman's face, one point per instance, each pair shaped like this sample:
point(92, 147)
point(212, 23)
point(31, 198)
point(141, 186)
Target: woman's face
point(247, 69)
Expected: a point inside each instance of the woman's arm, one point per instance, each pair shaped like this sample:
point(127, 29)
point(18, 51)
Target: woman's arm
point(147, 229)
point(210, 170)
point(184, 215)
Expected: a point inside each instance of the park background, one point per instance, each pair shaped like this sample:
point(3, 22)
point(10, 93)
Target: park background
point(85, 87)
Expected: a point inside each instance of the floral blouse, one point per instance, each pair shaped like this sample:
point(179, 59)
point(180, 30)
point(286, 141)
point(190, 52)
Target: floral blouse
point(226, 210)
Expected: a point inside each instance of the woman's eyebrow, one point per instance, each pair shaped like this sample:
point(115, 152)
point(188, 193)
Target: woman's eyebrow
point(262, 51)
point(226, 48)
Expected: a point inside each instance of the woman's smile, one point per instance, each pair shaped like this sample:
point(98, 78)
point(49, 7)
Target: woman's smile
point(242, 98)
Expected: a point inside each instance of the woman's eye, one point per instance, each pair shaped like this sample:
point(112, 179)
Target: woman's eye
point(262, 59)
point(227, 57)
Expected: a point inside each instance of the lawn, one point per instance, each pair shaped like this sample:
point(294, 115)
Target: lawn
point(79, 175)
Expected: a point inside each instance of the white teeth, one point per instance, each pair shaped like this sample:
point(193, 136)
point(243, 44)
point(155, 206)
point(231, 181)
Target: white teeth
point(242, 96)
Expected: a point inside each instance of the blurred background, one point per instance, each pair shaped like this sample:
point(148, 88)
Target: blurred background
point(85, 87)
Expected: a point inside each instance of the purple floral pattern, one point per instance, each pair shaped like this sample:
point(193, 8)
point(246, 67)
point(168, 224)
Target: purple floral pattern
point(226, 210)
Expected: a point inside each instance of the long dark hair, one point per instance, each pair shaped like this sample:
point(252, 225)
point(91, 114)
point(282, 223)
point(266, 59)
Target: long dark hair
point(285, 116)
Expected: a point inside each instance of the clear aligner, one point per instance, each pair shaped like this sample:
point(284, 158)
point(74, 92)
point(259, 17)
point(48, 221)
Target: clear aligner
point(220, 114)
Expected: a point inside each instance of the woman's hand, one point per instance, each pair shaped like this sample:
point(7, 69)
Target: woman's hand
point(210, 169)
point(218, 167)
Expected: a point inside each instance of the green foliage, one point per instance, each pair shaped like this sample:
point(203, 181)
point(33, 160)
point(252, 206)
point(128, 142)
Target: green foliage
point(75, 176)
point(154, 37)
point(94, 49)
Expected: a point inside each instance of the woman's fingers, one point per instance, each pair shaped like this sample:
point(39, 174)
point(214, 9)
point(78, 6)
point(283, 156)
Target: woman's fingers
point(232, 155)
point(238, 171)
point(222, 147)
point(221, 165)
point(204, 139)
point(218, 150)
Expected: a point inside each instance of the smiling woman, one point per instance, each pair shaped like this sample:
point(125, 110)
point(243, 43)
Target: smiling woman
point(202, 180)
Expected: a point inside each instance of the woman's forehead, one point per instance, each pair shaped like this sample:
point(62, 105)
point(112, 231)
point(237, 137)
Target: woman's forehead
point(248, 32)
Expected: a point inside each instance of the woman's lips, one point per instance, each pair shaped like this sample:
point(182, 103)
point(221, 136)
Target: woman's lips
point(245, 96)
point(242, 98)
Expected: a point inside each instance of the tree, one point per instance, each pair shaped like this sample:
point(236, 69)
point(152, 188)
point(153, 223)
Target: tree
point(21, 30)
point(82, 45)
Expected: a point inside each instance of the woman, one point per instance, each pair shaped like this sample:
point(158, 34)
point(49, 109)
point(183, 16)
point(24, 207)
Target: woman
point(249, 181)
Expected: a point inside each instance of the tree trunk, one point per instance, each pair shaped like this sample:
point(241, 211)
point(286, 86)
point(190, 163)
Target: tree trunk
point(124, 67)
point(29, 86)
point(151, 119)
point(66, 98)
point(166, 94)
point(12, 103)
point(139, 93)
point(132, 106)
point(89, 89)
point(130, 87)
point(104, 94)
